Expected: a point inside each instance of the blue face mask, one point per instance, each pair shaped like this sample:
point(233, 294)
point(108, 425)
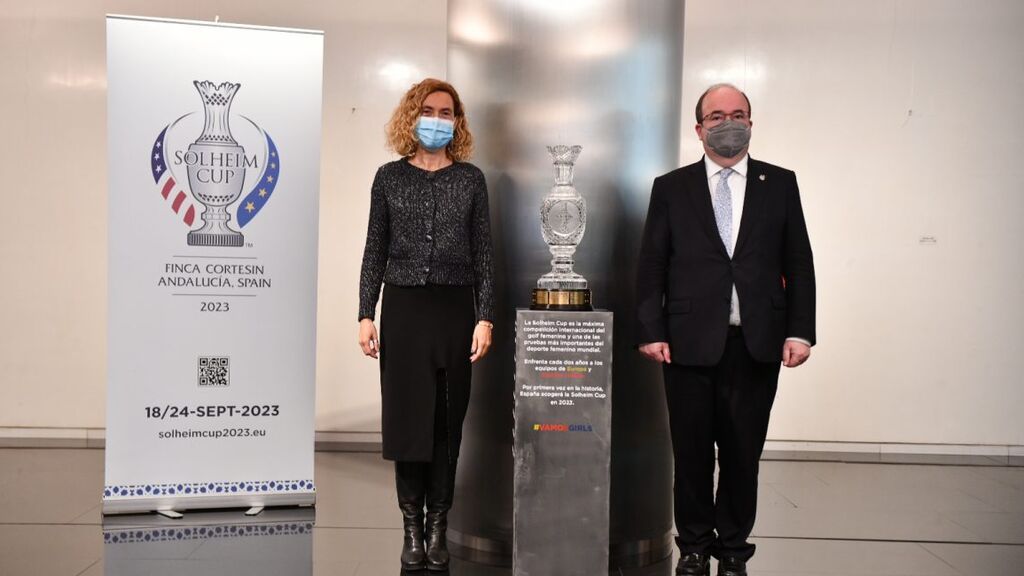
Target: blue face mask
point(434, 133)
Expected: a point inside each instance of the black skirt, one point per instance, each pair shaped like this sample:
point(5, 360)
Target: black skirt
point(425, 340)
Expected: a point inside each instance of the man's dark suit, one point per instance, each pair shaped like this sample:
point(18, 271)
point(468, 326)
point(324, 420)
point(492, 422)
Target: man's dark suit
point(684, 262)
point(684, 289)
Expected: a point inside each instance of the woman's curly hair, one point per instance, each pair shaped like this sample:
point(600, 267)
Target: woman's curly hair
point(401, 129)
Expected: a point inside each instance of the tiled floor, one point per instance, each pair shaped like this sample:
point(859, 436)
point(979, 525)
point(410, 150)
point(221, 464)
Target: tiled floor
point(816, 518)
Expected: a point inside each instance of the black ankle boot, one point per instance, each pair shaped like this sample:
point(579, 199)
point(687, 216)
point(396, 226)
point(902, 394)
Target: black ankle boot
point(437, 541)
point(440, 488)
point(409, 478)
point(413, 552)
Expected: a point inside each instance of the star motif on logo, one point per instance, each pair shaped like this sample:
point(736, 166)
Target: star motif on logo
point(263, 192)
point(270, 178)
point(249, 206)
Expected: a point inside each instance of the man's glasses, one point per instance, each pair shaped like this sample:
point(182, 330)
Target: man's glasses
point(716, 117)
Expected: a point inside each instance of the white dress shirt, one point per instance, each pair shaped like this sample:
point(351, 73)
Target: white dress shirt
point(738, 187)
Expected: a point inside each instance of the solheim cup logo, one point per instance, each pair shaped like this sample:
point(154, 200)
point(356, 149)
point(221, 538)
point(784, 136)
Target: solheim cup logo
point(216, 166)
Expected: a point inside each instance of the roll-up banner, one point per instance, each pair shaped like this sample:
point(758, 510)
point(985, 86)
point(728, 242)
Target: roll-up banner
point(214, 173)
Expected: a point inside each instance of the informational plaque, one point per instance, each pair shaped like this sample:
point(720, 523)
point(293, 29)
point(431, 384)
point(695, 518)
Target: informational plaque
point(562, 442)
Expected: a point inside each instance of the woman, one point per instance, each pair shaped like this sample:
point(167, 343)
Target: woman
point(429, 242)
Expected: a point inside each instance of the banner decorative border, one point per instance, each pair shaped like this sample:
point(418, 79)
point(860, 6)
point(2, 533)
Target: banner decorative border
point(205, 532)
point(209, 488)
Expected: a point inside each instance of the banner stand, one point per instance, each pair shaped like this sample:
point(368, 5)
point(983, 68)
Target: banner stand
point(214, 137)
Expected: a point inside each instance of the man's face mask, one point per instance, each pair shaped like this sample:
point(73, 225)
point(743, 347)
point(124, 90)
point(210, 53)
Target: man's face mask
point(728, 138)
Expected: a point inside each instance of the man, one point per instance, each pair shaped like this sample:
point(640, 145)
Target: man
point(725, 292)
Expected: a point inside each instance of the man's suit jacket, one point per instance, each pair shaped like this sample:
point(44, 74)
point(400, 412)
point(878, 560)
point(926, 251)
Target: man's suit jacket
point(685, 275)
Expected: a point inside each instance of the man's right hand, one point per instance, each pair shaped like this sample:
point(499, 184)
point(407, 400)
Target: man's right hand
point(368, 338)
point(657, 351)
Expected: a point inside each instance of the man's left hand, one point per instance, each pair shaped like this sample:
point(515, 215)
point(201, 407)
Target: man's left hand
point(795, 353)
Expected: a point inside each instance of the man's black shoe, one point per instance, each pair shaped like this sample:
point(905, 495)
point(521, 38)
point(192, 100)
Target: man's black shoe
point(731, 566)
point(694, 564)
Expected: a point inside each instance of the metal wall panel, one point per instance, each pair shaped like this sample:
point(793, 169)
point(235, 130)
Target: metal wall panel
point(604, 74)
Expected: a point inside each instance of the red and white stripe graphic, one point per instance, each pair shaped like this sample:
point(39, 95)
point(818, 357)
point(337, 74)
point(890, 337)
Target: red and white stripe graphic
point(181, 204)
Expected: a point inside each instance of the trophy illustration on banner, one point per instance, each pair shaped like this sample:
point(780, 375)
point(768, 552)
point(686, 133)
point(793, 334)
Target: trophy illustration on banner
point(216, 170)
point(563, 218)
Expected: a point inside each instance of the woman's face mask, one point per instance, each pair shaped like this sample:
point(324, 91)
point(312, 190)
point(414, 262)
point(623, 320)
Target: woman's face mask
point(434, 133)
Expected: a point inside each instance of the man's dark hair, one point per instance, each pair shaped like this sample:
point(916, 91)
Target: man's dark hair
point(700, 101)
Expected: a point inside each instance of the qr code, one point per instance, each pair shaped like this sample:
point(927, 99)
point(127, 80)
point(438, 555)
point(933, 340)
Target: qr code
point(214, 371)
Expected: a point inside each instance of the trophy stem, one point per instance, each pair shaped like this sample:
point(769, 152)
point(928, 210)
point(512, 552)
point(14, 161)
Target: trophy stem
point(563, 174)
point(563, 261)
point(215, 231)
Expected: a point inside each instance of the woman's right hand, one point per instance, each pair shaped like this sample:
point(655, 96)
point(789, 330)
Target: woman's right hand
point(368, 338)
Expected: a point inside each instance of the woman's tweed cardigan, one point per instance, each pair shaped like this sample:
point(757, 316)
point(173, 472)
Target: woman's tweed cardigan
point(428, 228)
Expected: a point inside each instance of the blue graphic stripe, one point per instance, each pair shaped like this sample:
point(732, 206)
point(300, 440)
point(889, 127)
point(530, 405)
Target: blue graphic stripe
point(251, 205)
point(157, 161)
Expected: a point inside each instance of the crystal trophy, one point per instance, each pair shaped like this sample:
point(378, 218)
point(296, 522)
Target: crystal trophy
point(217, 170)
point(563, 219)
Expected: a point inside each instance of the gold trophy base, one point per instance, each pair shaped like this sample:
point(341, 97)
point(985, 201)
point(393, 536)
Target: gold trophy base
point(561, 299)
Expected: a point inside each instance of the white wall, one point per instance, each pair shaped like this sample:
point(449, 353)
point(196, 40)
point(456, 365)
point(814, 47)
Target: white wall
point(53, 158)
point(901, 118)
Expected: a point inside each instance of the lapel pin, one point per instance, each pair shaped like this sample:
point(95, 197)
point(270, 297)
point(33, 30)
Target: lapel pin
point(761, 177)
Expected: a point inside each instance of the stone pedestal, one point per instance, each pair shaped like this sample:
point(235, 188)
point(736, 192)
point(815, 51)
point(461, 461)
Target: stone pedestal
point(562, 443)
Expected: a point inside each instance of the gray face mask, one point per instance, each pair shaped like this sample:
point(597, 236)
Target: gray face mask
point(728, 138)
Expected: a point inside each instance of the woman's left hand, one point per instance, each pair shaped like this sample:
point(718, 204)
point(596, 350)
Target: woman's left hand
point(481, 342)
